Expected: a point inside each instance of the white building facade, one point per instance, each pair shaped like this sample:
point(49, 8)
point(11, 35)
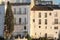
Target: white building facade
point(44, 20)
point(21, 16)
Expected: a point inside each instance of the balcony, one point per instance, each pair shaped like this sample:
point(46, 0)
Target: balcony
point(20, 23)
point(20, 13)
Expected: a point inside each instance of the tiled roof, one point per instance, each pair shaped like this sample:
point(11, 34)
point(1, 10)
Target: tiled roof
point(45, 7)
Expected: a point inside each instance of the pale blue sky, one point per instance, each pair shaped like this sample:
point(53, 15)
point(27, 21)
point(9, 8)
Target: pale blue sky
point(56, 1)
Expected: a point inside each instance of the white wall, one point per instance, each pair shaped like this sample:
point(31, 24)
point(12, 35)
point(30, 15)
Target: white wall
point(19, 29)
point(34, 27)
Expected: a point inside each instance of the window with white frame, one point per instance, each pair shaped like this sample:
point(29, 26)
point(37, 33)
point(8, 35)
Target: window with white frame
point(55, 21)
point(56, 14)
point(45, 15)
point(19, 20)
point(39, 21)
point(14, 10)
point(19, 10)
point(25, 20)
point(25, 10)
point(39, 14)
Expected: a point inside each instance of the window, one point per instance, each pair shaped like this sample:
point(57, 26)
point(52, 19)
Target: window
point(56, 32)
point(56, 14)
point(25, 10)
point(19, 20)
point(39, 14)
point(14, 10)
point(36, 2)
point(50, 27)
point(39, 21)
point(45, 34)
point(56, 27)
point(33, 20)
point(25, 20)
point(50, 14)
point(45, 27)
point(24, 27)
point(45, 21)
point(39, 26)
point(55, 21)
point(45, 14)
point(35, 33)
point(19, 10)
point(40, 33)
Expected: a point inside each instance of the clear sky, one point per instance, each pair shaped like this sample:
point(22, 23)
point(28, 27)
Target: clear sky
point(56, 1)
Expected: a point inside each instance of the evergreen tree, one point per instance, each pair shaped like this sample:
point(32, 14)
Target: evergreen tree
point(59, 35)
point(9, 18)
point(28, 37)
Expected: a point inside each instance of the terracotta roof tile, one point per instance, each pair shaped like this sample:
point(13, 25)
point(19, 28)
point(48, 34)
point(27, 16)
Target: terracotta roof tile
point(45, 7)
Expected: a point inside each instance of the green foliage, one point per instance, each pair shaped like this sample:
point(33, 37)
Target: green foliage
point(59, 35)
point(29, 38)
point(9, 18)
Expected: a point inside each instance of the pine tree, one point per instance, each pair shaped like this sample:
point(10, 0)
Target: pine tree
point(28, 37)
point(9, 18)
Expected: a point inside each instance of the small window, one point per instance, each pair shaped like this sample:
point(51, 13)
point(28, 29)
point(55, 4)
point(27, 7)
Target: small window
point(39, 15)
point(56, 32)
point(24, 27)
point(19, 20)
point(25, 11)
point(33, 20)
point(35, 33)
point(50, 27)
point(45, 15)
point(25, 20)
point(55, 21)
point(56, 14)
point(39, 21)
point(46, 27)
point(39, 26)
point(46, 21)
point(19, 10)
point(45, 34)
point(56, 27)
point(14, 10)
point(40, 33)
point(50, 14)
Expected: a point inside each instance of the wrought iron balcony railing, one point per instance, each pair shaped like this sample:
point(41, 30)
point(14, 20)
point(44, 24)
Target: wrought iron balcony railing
point(20, 23)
